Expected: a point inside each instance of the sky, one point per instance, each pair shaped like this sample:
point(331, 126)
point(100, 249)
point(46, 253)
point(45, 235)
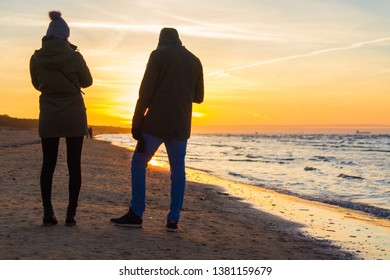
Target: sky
point(269, 66)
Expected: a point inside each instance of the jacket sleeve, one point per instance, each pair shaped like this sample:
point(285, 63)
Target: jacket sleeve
point(34, 79)
point(147, 90)
point(83, 74)
point(199, 87)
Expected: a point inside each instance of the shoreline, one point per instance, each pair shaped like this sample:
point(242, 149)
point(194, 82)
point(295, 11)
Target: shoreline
point(364, 194)
point(367, 236)
point(215, 224)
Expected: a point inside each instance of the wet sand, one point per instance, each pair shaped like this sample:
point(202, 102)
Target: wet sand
point(219, 219)
point(366, 236)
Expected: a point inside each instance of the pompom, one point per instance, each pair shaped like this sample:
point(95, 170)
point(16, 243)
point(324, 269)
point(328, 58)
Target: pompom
point(55, 15)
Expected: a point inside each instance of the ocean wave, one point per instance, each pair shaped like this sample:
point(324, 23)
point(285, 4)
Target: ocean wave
point(237, 175)
point(245, 160)
point(286, 159)
point(350, 163)
point(362, 207)
point(220, 145)
point(253, 156)
point(345, 176)
point(246, 177)
point(372, 210)
point(377, 151)
point(309, 165)
point(322, 158)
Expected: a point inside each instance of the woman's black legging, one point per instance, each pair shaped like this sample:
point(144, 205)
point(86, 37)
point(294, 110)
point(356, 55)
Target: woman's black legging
point(74, 146)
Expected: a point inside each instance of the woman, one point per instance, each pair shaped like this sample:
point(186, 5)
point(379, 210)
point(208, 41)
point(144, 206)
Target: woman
point(58, 71)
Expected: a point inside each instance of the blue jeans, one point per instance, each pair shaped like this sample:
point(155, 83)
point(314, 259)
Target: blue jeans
point(176, 150)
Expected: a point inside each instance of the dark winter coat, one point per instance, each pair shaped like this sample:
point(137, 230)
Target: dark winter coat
point(58, 71)
point(173, 80)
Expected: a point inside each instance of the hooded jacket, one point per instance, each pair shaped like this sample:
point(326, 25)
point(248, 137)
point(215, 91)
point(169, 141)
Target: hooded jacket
point(173, 80)
point(58, 72)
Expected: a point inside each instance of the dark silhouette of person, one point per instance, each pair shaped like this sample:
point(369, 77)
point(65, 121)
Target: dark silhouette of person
point(59, 71)
point(173, 80)
point(90, 132)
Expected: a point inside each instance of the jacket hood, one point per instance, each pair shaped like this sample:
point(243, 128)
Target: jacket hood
point(54, 54)
point(169, 36)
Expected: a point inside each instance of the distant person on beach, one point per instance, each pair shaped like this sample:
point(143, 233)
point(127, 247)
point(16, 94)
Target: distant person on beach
point(59, 71)
point(173, 80)
point(90, 132)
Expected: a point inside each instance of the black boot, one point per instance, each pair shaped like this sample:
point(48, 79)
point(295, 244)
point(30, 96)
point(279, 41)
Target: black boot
point(70, 214)
point(49, 218)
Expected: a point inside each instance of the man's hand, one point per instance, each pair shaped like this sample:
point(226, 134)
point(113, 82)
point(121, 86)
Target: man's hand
point(137, 133)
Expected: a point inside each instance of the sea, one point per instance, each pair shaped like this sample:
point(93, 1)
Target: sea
point(348, 170)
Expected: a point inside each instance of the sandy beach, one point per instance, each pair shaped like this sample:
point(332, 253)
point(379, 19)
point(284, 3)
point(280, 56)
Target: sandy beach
point(219, 219)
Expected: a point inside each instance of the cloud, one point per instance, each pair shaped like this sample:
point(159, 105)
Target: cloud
point(219, 74)
point(192, 30)
point(201, 31)
point(117, 26)
point(21, 20)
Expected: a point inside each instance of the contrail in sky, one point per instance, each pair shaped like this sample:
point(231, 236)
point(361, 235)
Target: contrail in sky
point(313, 53)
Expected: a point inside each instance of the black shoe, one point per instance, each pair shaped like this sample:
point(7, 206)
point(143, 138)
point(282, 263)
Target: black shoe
point(49, 218)
point(171, 226)
point(130, 219)
point(70, 221)
point(70, 214)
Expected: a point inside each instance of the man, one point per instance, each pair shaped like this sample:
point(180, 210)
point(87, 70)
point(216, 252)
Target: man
point(173, 80)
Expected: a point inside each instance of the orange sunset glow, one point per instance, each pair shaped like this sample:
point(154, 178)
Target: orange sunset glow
point(269, 66)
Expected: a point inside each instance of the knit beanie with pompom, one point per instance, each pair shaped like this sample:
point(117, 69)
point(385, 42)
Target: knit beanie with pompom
point(58, 28)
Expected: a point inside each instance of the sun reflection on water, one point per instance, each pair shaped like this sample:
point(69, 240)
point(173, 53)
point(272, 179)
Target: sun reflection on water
point(154, 162)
